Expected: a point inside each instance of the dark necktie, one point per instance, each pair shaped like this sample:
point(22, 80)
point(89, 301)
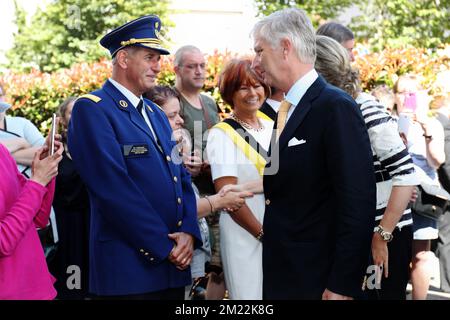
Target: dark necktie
point(139, 108)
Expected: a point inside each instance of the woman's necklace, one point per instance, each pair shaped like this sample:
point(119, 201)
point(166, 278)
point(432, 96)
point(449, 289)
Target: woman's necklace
point(245, 124)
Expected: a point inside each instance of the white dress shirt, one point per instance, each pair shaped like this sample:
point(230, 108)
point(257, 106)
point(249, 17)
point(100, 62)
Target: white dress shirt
point(135, 101)
point(298, 90)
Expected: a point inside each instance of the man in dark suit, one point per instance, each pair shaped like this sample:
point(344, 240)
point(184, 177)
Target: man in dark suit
point(143, 209)
point(320, 204)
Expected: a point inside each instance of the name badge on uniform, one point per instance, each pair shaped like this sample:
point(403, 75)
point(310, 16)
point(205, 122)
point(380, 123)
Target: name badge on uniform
point(135, 150)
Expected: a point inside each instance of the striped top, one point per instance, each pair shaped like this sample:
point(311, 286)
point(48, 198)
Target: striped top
point(392, 163)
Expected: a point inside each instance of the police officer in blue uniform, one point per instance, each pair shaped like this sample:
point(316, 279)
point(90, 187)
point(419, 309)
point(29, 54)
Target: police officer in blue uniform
point(143, 209)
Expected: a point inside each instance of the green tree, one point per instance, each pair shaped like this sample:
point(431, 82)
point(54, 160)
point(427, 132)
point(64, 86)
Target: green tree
point(318, 10)
point(68, 31)
point(396, 23)
point(393, 23)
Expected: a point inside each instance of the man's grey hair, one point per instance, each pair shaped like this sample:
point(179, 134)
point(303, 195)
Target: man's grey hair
point(290, 23)
point(178, 59)
point(130, 50)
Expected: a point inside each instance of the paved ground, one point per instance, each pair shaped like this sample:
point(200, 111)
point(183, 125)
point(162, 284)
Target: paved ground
point(434, 293)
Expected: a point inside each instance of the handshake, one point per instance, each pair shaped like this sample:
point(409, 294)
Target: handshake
point(231, 197)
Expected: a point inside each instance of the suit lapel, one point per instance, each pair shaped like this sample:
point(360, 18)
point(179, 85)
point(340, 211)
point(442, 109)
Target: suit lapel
point(117, 96)
point(301, 111)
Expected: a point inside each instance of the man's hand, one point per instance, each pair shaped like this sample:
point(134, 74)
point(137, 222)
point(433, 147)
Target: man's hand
point(181, 254)
point(329, 295)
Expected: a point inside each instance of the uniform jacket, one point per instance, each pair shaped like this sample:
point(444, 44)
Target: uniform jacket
point(320, 205)
point(138, 194)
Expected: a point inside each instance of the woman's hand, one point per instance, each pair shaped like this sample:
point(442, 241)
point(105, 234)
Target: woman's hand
point(230, 188)
point(232, 201)
point(414, 195)
point(193, 164)
point(48, 141)
point(255, 186)
point(380, 254)
point(44, 169)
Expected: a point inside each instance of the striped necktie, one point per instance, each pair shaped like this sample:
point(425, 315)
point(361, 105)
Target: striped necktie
point(282, 116)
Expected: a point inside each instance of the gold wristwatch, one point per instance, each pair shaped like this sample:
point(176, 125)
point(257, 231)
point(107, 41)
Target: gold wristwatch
point(385, 235)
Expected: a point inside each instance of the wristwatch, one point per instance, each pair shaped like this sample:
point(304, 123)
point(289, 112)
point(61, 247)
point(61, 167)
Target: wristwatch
point(385, 235)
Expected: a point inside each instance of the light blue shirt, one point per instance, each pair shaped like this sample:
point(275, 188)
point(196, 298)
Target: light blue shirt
point(135, 101)
point(298, 90)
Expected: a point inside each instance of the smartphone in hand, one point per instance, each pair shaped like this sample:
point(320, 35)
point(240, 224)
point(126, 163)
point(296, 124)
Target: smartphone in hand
point(52, 135)
point(410, 104)
point(404, 122)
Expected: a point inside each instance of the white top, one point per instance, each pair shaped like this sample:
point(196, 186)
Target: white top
point(241, 253)
point(274, 104)
point(134, 101)
point(298, 90)
point(25, 129)
point(392, 163)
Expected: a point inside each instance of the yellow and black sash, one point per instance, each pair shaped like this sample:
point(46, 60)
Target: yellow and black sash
point(245, 142)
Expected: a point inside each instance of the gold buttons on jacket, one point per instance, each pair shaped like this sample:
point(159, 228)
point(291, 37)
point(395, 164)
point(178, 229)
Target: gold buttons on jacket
point(141, 250)
point(179, 200)
point(152, 259)
point(168, 158)
point(267, 202)
point(180, 223)
point(175, 179)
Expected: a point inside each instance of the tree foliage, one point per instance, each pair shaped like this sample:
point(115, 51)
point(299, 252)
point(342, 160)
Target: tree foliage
point(68, 31)
point(318, 10)
point(396, 23)
point(391, 23)
point(36, 95)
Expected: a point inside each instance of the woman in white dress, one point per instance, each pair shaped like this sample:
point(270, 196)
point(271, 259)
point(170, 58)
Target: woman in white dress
point(236, 150)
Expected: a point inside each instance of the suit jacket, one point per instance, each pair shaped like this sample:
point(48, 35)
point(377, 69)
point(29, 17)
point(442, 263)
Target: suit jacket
point(320, 205)
point(138, 194)
point(268, 111)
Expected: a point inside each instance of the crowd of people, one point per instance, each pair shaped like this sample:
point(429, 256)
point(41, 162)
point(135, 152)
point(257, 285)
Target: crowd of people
point(309, 189)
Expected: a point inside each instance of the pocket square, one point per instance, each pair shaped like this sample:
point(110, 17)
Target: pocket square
point(295, 142)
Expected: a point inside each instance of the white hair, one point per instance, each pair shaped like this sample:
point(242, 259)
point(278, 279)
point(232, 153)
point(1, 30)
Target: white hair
point(292, 24)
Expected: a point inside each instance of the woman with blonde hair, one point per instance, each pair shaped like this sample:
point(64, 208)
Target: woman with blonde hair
point(394, 172)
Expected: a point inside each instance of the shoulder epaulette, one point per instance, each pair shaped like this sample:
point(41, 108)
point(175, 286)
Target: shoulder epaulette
point(91, 97)
point(158, 106)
